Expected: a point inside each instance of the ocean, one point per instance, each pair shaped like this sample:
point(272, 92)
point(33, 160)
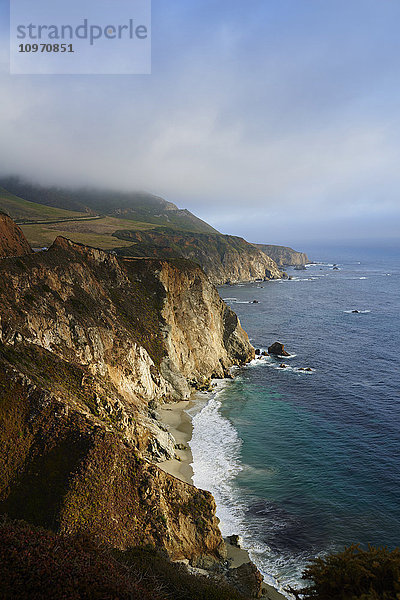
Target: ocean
point(304, 463)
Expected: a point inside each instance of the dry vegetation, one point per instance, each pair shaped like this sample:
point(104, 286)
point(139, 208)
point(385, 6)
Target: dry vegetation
point(38, 564)
point(96, 233)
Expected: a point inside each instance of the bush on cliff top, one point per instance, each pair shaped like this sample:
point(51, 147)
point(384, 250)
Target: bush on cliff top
point(36, 564)
point(354, 574)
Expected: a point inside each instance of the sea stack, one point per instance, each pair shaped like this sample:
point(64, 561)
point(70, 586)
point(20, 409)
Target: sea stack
point(278, 349)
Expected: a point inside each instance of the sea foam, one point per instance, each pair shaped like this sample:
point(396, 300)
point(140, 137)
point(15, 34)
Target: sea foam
point(216, 449)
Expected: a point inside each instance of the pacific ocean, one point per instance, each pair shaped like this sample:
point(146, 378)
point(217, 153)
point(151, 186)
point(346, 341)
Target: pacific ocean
point(307, 462)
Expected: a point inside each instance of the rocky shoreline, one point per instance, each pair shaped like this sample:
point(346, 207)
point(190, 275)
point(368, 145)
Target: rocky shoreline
point(91, 346)
point(179, 423)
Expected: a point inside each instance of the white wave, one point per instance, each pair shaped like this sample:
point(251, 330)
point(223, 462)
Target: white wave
point(269, 357)
point(299, 279)
point(314, 278)
point(203, 398)
point(216, 449)
point(359, 312)
point(272, 364)
point(236, 301)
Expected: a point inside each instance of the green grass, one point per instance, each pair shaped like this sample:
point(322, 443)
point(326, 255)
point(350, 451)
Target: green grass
point(20, 209)
point(97, 233)
point(134, 206)
point(49, 212)
point(40, 236)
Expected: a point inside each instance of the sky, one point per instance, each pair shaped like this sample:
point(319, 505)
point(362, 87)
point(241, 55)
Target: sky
point(275, 120)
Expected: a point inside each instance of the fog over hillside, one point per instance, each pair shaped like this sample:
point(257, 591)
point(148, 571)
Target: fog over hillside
point(277, 122)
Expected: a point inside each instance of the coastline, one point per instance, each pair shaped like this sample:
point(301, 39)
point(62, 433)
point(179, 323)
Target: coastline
point(179, 424)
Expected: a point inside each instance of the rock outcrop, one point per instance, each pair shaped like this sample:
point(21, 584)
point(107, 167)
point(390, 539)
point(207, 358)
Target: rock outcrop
point(12, 240)
point(247, 579)
point(224, 258)
point(68, 470)
point(88, 344)
point(283, 256)
point(278, 349)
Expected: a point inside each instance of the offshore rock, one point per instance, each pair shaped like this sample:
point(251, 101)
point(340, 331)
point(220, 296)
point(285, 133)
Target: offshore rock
point(234, 540)
point(278, 349)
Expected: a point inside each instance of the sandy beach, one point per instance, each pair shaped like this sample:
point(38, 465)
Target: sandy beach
point(179, 423)
point(180, 426)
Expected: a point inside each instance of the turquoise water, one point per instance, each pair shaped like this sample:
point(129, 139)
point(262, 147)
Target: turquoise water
point(303, 463)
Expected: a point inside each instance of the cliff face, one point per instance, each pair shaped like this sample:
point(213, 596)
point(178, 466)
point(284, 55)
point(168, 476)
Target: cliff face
point(88, 344)
point(67, 470)
point(224, 258)
point(12, 240)
point(137, 323)
point(284, 256)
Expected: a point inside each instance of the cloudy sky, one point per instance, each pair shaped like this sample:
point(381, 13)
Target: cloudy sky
point(278, 120)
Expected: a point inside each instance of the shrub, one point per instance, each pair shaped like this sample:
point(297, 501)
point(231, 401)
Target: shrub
point(37, 564)
point(354, 574)
point(174, 579)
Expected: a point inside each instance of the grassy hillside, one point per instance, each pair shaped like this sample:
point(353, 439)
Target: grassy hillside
point(20, 209)
point(42, 224)
point(95, 232)
point(134, 206)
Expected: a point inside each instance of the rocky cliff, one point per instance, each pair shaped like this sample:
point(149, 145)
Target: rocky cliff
point(283, 256)
point(12, 240)
point(89, 344)
point(224, 258)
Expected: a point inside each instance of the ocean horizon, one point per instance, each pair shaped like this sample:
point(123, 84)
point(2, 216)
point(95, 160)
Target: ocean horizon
point(303, 463)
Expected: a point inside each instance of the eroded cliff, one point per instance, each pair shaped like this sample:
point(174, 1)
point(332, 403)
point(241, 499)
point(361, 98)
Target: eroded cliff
point(284, 256)
point(89, 343)
point(12, 240)
point(224, 258)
